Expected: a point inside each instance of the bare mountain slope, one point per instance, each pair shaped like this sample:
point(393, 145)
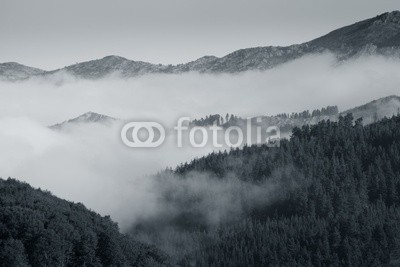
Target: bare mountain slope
point(378, 35)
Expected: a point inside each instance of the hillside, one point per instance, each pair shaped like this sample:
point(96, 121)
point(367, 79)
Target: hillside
point(39, 229)
point(377, 109)
point(12, 71)
point(381, 32)
point(86, 118)
point(329, 196)
point(370, 112)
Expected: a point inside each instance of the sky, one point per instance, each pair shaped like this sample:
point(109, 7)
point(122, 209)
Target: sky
point(51, 34)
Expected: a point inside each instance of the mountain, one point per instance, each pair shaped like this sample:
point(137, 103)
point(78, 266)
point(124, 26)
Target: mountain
point(378, 35)
point(12, 71)
point(381, 33)
point(87, 118)
point(113, 64)
point(285, 122)
point(329, 196)
point(377, 109)
point(371, 112)
point(39, 229)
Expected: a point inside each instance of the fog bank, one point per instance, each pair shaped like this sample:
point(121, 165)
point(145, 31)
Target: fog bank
point(90, 164)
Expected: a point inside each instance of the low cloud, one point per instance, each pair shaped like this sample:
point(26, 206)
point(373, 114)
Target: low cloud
point(90, 164)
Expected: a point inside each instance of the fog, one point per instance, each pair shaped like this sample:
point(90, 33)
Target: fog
point(89, 163)
point(190, 208)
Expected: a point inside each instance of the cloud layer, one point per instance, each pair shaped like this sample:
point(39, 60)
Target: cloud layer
point(88, 163)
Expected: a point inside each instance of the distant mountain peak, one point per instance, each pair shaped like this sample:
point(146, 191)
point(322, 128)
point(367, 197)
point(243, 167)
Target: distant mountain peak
point(93, 117)
point(390, 17)
point(88, 117)
point(377, 109)
point(113, 58)
point(388, 98)
point(13, 71)
point(13, 64)
point(17, 65)
point(206, 58)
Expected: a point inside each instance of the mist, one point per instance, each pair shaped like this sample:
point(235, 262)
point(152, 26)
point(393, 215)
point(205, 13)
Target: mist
point(165, 97)
point(192, 206)
point(89, 163)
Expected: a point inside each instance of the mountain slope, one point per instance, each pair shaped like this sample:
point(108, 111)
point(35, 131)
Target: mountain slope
point(38, 229)
point(12, 71)
point(87, 118)
point(382, 32)
point(370, 112)
point(377, 109)
point(378, 35)
point(113, 64)
point(337, 203)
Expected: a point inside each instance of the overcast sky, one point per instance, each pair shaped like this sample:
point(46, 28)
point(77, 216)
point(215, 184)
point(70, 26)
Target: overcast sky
point(50, 33)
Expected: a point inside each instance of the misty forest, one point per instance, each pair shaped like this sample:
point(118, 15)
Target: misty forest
point(324, 192)
point(335, 201)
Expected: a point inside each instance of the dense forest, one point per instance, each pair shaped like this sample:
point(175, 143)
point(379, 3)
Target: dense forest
point(328, 111)
point(232, 120)
point(331, 197)
point(337, 202)
point(39, 229)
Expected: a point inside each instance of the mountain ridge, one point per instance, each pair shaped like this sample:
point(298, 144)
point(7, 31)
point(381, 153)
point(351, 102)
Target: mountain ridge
point(378, 35)
point(88, 117)
point(376, 110)
point(12, 71)
point(370, 112)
